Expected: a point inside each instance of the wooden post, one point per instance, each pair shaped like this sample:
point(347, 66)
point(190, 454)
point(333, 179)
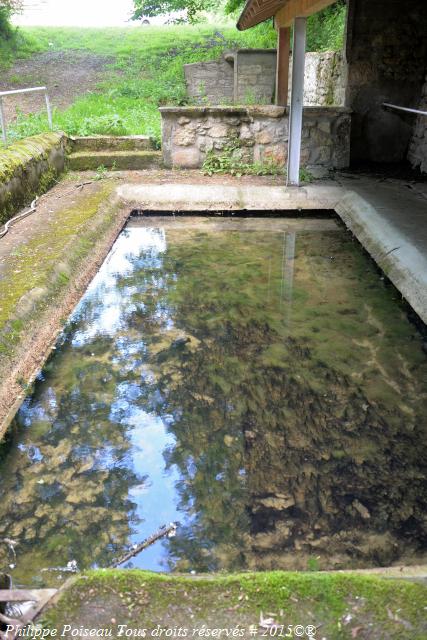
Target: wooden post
point(297, 99)
point(282, 65)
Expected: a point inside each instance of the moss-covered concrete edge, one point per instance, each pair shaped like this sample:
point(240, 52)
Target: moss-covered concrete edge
point(28, 168)
point(338, 605)
point(44, 288)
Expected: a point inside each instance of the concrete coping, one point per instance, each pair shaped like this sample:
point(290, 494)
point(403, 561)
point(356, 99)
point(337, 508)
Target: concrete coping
point(269, 51)
point(269, 110)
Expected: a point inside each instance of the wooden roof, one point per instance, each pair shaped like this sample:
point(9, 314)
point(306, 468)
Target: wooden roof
point(256, 11)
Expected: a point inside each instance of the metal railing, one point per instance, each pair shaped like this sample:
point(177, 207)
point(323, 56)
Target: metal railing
point(417, 112)
point(16, 92)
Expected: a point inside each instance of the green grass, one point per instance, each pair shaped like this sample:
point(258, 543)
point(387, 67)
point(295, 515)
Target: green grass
point(344, 606)
point(145, 69)
point(17, 44)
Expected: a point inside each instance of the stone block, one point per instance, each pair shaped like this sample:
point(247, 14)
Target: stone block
point(184, 137)
point(219, 130)
point(324, 126)
point(264, 137)
point(276, 153)
point(186, 157)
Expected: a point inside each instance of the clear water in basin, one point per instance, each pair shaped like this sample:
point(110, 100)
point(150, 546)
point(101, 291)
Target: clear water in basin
point(254, 380)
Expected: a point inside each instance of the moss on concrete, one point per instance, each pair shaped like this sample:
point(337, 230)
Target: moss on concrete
point(36, 273)
point(341, 606)
point(28, 168)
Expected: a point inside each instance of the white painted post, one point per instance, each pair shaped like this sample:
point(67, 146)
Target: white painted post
point(3, 122)
point(297, 100)
point(48, 109)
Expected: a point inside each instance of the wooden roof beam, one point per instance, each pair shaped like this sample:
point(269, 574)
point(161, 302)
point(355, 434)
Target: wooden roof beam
point(256, 11)
point(299, 9)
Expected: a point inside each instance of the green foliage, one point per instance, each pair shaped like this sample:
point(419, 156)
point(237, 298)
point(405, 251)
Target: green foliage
point(147, 72)
point(12, 43)
point(231, 160)
point(192, 8)
point(325, 30)
point(101, 172)
point(313, 564)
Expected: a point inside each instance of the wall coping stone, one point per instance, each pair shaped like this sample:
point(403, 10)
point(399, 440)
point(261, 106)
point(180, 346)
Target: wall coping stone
point(270, 110)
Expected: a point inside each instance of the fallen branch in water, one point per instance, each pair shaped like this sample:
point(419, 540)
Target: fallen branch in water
point(70, 568)
point(163, 532)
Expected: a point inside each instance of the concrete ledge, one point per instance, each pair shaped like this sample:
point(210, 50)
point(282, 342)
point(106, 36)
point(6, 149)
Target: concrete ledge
point(389, 246)
point(123, 160)
point(187, 197)
point(380, 234)
point(111, 143)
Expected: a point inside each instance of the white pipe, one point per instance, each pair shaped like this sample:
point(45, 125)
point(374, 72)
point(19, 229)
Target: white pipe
point(48, 109)
point(12, 221)
point(15, 91)
point(297, 101)
point(407, 109)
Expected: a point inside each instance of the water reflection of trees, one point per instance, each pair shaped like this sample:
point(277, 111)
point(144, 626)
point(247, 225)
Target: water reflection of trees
point(307, 437)
point(65, 483)
point(299, 420)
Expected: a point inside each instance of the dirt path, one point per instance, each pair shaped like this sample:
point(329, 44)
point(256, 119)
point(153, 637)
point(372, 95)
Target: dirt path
point(67, 74)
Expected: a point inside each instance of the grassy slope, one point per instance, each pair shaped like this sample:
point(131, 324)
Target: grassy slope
point(342, 605)
point(147, 69)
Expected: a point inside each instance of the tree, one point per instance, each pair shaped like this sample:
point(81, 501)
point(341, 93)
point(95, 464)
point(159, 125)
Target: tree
point(7, 8)
point(161, 7)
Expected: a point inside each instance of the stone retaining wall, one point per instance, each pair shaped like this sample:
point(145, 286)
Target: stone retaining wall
point(248, 77)
point(28, 168)
point(418, 148)
point(261, 132)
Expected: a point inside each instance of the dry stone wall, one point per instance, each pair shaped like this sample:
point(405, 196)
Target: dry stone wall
point(261, 133)
point(249, 76)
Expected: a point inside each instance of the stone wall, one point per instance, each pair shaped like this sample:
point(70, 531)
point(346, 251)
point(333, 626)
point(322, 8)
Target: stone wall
point(418, 148)
point(249, 76)
point(254, 76)
point(386, 53)
point(210, 82)
point(188, 133)
point(27, 169)
point(324, 78)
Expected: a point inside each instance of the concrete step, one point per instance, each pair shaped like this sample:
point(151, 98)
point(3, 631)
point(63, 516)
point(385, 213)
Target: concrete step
point(121, 160)
point(113, 143)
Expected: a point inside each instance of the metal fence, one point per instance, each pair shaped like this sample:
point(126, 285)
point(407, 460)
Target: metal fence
point(16, 92)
